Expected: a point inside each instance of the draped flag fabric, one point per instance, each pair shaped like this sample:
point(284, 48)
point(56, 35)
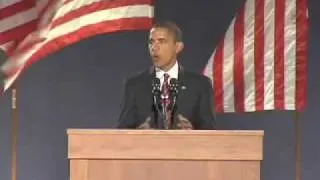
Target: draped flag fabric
point(33, 29)
point(261, 62)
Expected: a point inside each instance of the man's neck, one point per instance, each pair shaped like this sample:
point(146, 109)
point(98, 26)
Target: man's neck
point(169, 67)
point(173, 71)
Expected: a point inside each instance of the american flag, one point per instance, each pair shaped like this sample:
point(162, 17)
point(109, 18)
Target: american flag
point(33, 29)
point(261, 62)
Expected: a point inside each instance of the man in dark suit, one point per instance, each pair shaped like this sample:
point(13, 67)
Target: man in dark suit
point(194, 104)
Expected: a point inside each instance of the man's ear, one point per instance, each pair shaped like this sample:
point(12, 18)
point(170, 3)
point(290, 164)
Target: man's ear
point(179, 46)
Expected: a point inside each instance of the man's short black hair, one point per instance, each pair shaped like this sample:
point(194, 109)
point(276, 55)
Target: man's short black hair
point(172, 27)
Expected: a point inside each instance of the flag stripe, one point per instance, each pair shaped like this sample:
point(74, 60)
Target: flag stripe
point(7, 46)
point(248, 56)
point(269, 51)
point(279, 54)
point(16, 8)
point(268, 57)
point(93, 18)
point(289, 54)
point(71, 11)
point(209, 70)
point(259, 54)
point(43, 42)
point(218, 75)
point(95, 5)
point(227, 79)
point(68, 1)
point(238, 61)
point(7, 3)
point(37, 51)
point(302, 52)
point(60, 23)
point(18, 32)
point(87, 31)
point(17, 20)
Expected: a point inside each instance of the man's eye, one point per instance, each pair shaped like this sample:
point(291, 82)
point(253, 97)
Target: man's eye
point(162, 40)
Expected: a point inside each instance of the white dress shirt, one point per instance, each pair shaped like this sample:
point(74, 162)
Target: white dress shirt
point(173, 73)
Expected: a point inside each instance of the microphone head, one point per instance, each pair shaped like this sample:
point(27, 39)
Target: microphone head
point(155, 81)
point(173, 81)
point(174, 85)
point(156, 86)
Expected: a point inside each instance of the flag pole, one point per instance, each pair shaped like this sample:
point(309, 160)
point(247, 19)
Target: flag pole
point(298, 147)
point(15, 130)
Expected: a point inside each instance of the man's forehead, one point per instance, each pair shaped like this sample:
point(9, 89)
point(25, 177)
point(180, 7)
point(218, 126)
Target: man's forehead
point(160, 33)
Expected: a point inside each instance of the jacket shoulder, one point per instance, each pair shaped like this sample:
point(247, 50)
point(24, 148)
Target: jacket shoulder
point(136, 77)
point(196, 77)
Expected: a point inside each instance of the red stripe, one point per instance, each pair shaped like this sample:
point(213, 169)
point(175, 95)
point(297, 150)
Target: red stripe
point(217, 67)
point(48, 7)
point(89, 31)
point(97, 6)
point(16, 8)
point(67, 1)
point(238, 61)
point(302, 53)
point(9, 49)
point(18, 32)
point(279, 53)
point(259, 54)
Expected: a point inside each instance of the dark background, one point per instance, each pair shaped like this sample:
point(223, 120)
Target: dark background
point(81, 87)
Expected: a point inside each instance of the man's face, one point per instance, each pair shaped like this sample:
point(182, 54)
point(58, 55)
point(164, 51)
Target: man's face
point(163, 48)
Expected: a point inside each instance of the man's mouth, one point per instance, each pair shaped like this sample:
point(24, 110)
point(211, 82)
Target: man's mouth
point(155, 56)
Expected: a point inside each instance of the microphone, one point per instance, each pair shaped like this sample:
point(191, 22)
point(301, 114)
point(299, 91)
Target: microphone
point(156, 86)
point(156, 93)
point(174, 88)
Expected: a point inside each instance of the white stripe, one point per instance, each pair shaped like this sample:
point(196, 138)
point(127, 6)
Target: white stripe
point(6, 3)
point(51, 12)
point(71, 6)
point(20, 59)
point(208, 70)
point(18, 19)
point(92, 18)
point(227, 75)
point(100, 16)
point(269, 20)
point(290, 55)
point(74, 5)
point(248, 52)
point(44, 23)
point(7, 45)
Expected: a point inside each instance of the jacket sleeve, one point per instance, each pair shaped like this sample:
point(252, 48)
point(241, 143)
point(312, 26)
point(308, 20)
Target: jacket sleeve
point(206, 106)
point(127, 118)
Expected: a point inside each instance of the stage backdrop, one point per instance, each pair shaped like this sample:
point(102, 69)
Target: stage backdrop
point(81, 87)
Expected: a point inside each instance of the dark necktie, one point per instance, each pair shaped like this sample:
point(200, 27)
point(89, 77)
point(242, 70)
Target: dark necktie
point(167, 100)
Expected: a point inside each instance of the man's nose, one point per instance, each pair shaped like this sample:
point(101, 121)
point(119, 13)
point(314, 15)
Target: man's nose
point(155, 47)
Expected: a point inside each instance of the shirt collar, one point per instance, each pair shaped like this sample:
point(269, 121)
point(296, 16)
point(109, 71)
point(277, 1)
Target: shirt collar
point(173, 72)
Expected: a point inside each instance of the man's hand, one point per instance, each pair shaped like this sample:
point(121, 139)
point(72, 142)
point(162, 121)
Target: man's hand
point(146, 124)
point(183, 123)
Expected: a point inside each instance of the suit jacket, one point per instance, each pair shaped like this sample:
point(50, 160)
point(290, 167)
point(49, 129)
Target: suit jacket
point(194, 101)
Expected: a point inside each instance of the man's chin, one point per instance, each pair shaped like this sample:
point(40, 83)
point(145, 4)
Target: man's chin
point(156, 63)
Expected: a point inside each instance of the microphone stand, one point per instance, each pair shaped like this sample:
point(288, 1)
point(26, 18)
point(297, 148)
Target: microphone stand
point(156, 100)
point(174, 86)
point(164, 113)
point(160, 102)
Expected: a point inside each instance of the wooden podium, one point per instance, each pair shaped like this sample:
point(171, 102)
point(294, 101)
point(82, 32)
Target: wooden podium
point(164, 154)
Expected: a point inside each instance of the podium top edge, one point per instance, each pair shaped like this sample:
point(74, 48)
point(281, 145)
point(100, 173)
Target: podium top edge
point(167, 132)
